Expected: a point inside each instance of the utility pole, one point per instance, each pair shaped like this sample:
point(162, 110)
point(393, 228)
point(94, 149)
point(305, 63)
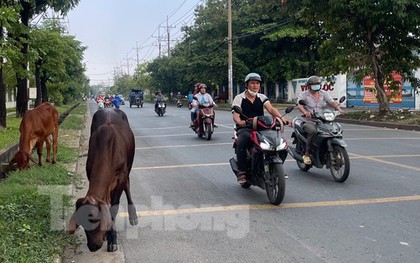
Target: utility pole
point(128, 66)
point(137, 54)
point(230, 69)
point(168, 31)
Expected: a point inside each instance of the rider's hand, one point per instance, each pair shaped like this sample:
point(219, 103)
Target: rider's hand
point(341, 111)
point(242, 123)
point(308, 114)
point(287, 122)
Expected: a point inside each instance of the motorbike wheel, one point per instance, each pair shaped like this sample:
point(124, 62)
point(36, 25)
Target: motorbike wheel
point(207, 131)
point(246, 185)
point(276, 186)
point(302, 166)
point(340, 166)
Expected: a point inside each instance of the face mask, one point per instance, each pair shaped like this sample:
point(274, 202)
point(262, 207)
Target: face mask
point(252, 93)
point(316, 87)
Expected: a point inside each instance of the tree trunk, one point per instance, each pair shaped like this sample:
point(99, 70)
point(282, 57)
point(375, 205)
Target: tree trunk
point(383, 101)
point(3, 111)
point(22, 82)
point(38, 83)
point(44, 90)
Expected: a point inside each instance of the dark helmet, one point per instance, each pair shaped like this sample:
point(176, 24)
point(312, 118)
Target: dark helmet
point(252, 76)
point(314, 83)
point(313, 80)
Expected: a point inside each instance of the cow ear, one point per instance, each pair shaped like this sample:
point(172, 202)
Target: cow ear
point(73, 224)
point(12, 164)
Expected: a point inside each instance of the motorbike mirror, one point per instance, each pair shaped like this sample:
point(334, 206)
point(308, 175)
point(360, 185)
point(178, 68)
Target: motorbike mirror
point(289, 109)
point(302, 102)
point(237, 109)
point(342, 99)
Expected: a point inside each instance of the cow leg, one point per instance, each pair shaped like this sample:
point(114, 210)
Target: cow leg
point(132, 213)
point(48, 141)
point(55, 143)
point(112, 239)
point(39, 149)
point(112, 234)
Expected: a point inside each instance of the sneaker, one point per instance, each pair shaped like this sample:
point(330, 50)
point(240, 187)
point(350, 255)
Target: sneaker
point(286, 176)
point(307, 160)
point(192, 125)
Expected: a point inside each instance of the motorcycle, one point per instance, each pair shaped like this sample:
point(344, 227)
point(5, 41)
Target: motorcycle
point(328, 147)
point(108, 103)
point(266, 155)
point(204, 123)
point(100, 104)
point(161, 108)
point(179, 103)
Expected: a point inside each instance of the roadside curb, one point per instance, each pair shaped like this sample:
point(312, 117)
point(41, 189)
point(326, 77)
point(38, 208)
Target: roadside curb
point(409, 127)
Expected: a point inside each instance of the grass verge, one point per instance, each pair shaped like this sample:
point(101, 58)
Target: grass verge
point(34, 204)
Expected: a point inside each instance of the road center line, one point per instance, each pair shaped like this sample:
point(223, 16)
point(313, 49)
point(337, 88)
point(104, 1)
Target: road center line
point(386, 162)
point(270, 207)
point(353, 156)
point(184, 146)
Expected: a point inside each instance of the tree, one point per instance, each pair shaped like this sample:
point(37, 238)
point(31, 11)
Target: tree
point(8, 20)
point(27, 9)
point(368, 38)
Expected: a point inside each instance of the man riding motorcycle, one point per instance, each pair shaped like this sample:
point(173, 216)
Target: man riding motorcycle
point(252, 104)
point(316, 99)
point(158, 98)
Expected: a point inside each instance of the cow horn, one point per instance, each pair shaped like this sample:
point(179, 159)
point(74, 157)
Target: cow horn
point(32, 159)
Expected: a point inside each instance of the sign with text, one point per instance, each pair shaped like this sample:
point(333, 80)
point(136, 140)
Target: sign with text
point(395, 96)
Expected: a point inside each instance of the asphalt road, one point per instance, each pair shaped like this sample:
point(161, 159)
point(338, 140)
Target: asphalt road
point(192, 209)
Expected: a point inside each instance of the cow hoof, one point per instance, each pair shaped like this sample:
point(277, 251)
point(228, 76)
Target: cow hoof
point(112, 247)
point(134, 221)
point(53, 162)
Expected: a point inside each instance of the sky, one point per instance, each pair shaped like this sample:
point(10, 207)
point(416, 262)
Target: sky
point(118, 33)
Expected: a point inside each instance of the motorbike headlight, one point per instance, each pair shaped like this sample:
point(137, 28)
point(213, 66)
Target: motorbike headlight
point(265, 145)
point(283, 145)
point(329, 116)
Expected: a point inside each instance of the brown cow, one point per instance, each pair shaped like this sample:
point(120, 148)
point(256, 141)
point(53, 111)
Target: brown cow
point(110, 157)
point(37, 125)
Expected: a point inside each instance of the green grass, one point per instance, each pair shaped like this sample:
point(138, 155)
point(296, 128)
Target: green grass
point(28, 226)
point(30, 230)
point(11, 134)
point(75, 120)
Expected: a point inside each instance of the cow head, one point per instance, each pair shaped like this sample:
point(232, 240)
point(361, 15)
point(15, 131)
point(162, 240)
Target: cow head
point(22, 160)
point(95, 218)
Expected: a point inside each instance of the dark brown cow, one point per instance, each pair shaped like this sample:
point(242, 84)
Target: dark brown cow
point(110, 157)
point(37, 126)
